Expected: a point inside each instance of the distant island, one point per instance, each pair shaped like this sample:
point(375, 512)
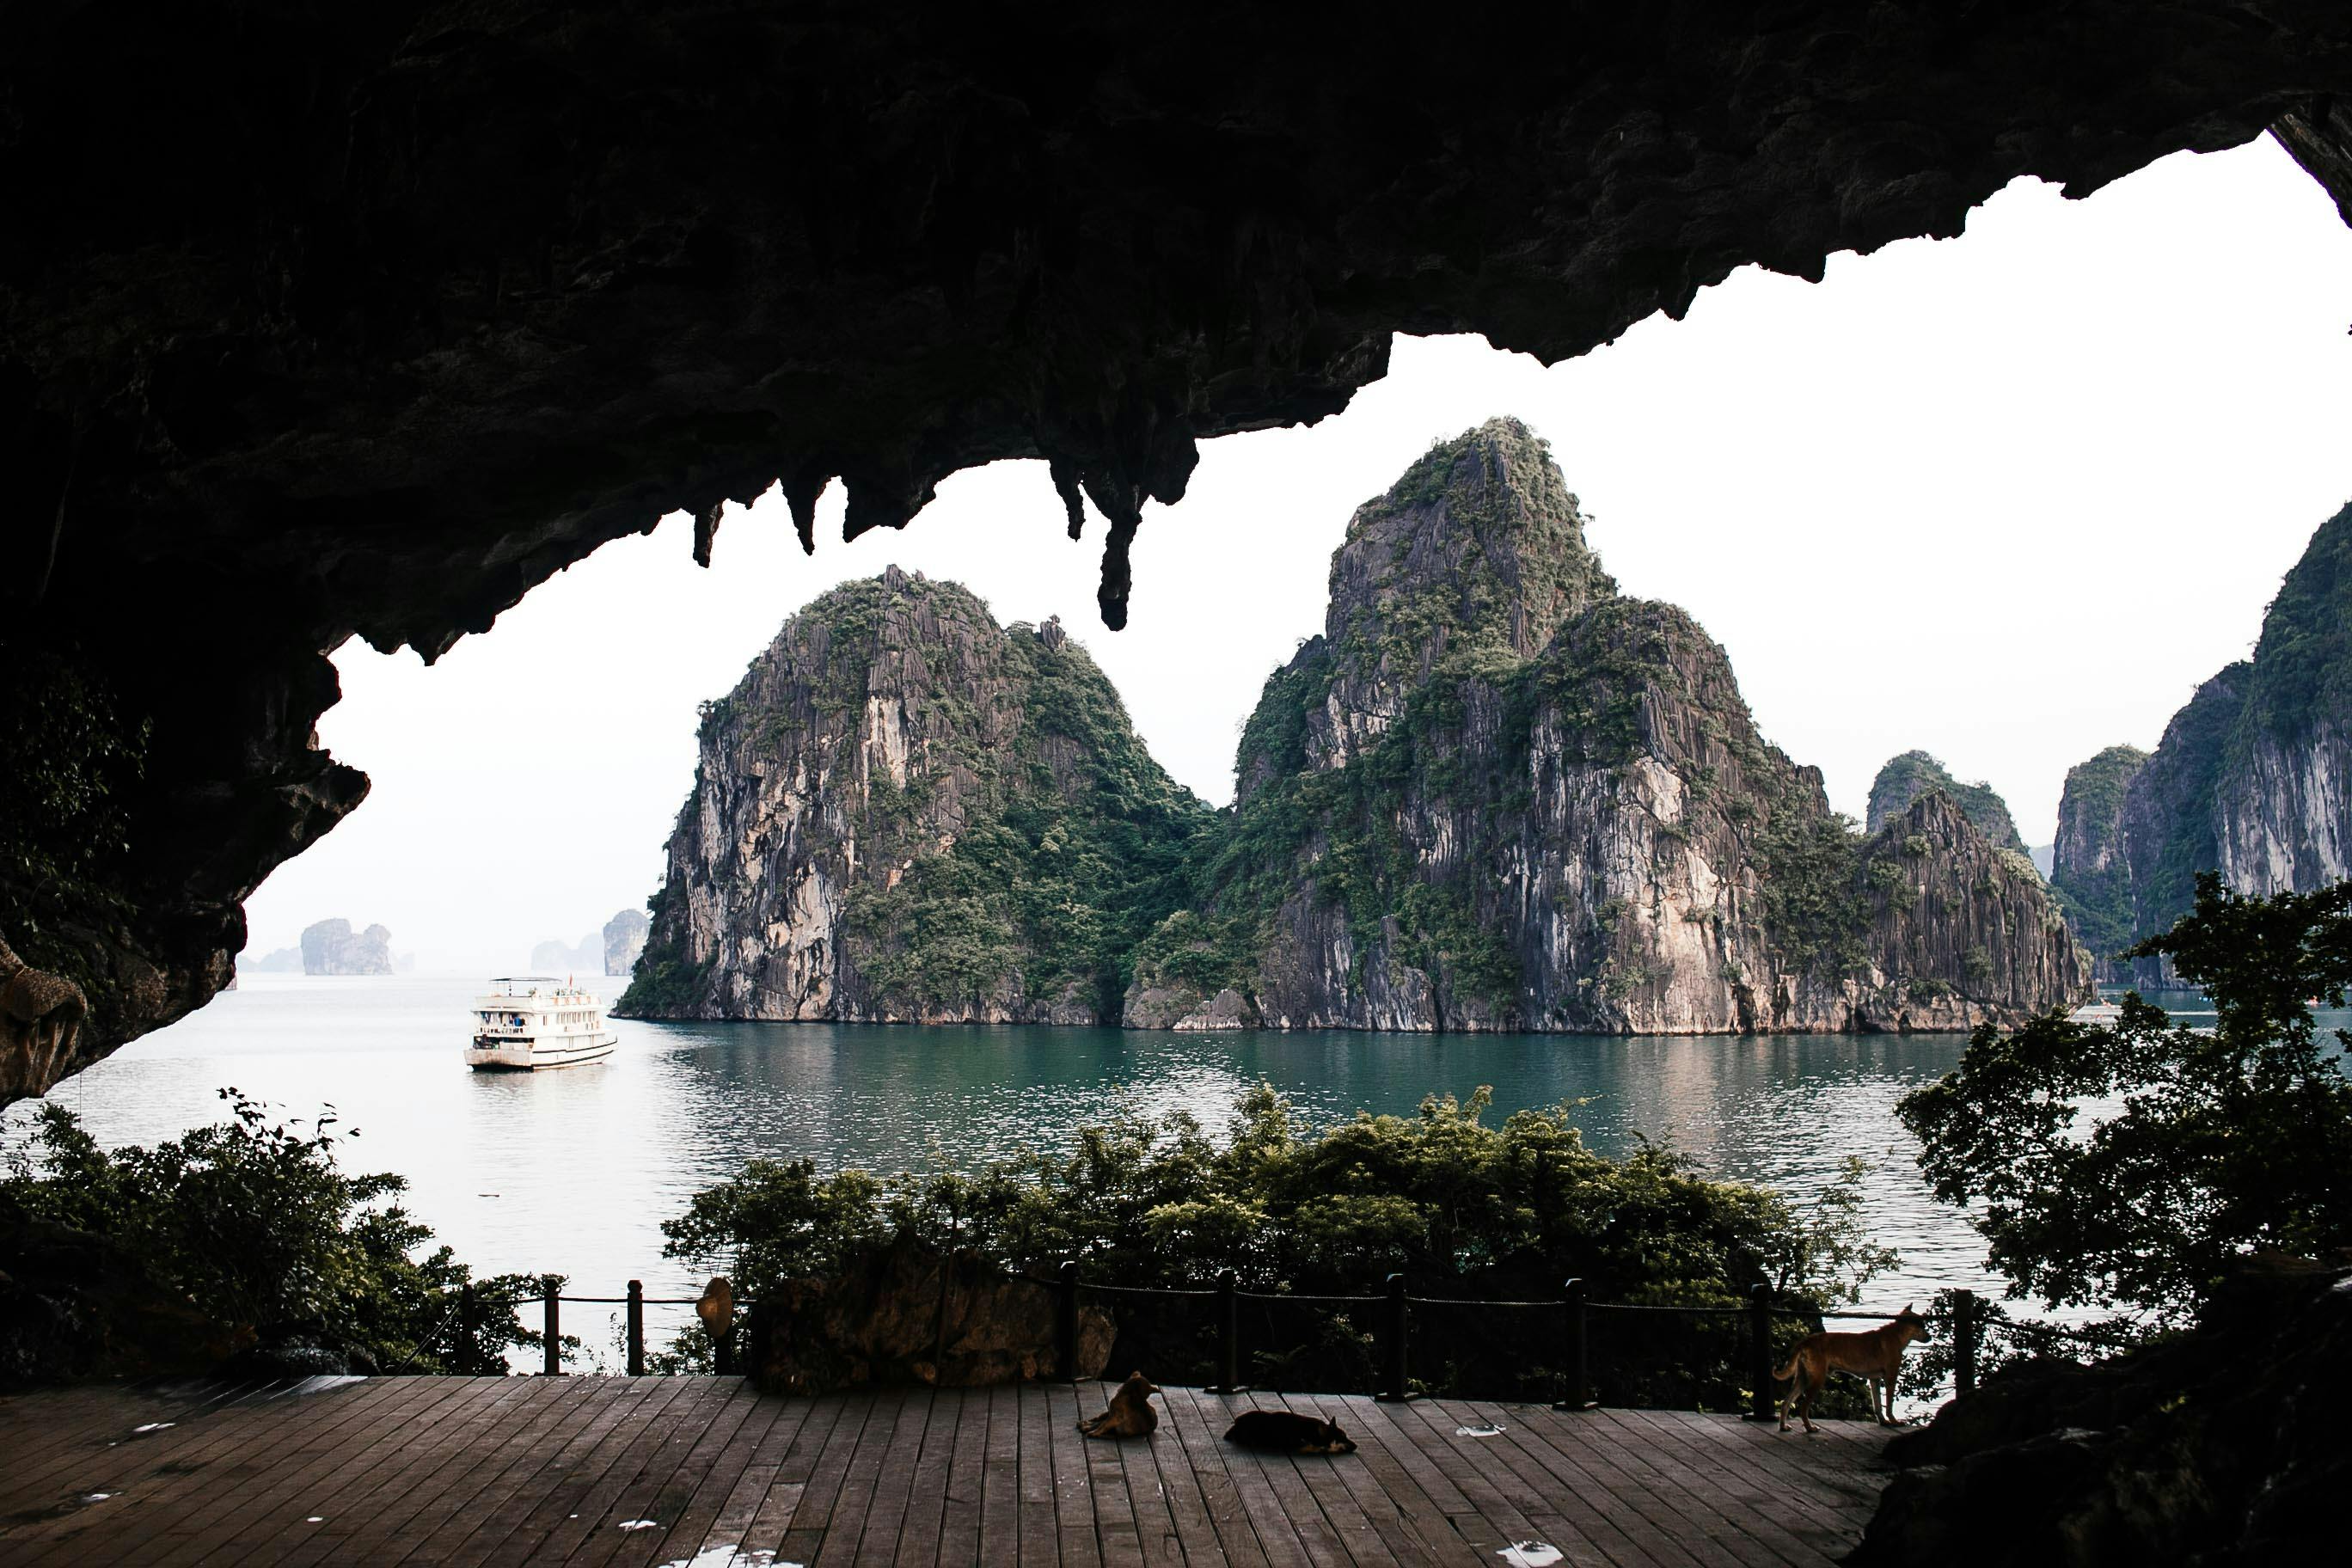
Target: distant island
point(331, 947)
point(625, 939)
point(1494, 794)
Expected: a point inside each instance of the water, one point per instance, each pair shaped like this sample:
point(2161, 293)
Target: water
point(572, 1171)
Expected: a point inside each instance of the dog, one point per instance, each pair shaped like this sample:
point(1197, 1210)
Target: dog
point(1873, 1355)
point(1287, 1432)
point(1130, 1414)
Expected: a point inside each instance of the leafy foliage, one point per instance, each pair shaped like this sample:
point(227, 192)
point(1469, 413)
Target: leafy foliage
point(253, 1220)
point(72, 756)
point(1462, 1208)
point(1905, 778)
point(2130, 1166)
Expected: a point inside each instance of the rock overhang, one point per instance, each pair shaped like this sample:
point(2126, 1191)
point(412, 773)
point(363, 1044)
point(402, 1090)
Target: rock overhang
point(368, 321)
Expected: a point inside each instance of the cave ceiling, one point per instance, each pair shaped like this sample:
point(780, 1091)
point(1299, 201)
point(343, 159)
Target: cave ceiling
point(366, 318)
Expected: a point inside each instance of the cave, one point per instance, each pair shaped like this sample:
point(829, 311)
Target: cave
point(368, 320)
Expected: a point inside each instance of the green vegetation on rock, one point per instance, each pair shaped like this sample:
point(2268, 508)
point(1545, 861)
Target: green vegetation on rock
point(1905, 778)
point(992, 837)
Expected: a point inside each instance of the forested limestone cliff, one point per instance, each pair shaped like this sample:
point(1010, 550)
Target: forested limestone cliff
point(2252, 778)
point(1496, 794)
point(907, 813)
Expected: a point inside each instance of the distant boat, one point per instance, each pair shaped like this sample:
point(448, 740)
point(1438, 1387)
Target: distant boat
point(525, 1022)
point(2096, 1012)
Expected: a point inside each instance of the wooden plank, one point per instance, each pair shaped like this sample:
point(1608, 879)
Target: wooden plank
point(1733, 1491)
point(1200, 1426)
point(1277, 1536)
point(1080, 1541)
point(524, 1446)
point(960, 1516)
point(999, 1500)
point(1410, 1527)
point(773, 1521)
point(667, 1480)
point(57, 1434)
point(919, 1529)
point(883, 1514)
point(420, 1460)
point(163, 1475)
point(1499, 1500)
point(1039, 1530)
point(722, 1488)
point(1194, 1527)
point(257, 1461)
point(1346, 1521)
point(1276, 1475)
point(1653, 1492)
point(637, 1461)
point(813, 1516)
point(618, 1413)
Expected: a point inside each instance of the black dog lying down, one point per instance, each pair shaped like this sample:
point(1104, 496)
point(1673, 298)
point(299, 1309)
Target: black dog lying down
point(1287, 1432)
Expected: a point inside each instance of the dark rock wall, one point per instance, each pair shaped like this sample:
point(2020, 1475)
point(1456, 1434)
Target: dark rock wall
point(369, 319)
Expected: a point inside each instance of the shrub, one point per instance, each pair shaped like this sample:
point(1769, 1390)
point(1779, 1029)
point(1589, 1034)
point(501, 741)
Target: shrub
point(1462, 1208)
point(253, 1221)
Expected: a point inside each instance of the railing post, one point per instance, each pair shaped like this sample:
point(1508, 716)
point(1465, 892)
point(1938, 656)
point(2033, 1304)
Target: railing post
point(722, 1350)
point(554, 1330)
point(1964, 1341)
point(636, 1328)
point(1393, 1344)
point(1579, 1392)
point(1065, 1324)
point(1759, 1351)
point(1229, 1333)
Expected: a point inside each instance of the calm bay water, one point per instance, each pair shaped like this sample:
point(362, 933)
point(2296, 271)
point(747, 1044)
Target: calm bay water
point(573, 1171)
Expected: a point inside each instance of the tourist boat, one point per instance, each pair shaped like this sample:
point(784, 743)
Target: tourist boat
point(529, 1021)
point(2100, 1012)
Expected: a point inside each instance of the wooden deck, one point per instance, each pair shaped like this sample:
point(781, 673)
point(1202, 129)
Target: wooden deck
point(703, 1471)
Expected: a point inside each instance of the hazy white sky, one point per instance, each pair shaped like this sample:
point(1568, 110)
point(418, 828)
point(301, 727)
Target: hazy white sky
point(2007, 498)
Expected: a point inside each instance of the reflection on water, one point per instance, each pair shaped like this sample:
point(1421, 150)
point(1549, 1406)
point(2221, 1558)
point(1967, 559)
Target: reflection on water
point(573, 1171)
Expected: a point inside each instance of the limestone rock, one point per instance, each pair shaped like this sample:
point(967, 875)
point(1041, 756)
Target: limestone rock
point(2252, 778)
point(1905, 778)
point(2091, 858)
point(908, 813)
point(558, 957)
point(355, 320)
point(909, 1315)
point(625, 939)
point(1496, 794)
point(331, 947)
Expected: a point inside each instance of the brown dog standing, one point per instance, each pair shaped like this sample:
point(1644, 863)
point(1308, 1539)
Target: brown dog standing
point(1875, 1355)
point(1130, 1414)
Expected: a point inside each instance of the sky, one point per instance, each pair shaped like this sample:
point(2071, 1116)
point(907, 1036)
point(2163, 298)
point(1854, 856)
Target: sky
point(2007, 498)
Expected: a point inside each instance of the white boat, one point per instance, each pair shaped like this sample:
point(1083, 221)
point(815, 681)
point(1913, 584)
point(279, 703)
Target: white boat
point(525, 1022)
point(2099, 1012)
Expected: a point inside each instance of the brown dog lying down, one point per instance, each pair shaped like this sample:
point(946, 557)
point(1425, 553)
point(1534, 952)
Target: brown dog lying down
point(1287, 1432)
point(1130, 1414)
point(1876, 1356)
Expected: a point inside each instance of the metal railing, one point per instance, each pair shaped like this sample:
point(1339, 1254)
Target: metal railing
point(1967, 1321)
point(469, 1306)
point(1576, 1330)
